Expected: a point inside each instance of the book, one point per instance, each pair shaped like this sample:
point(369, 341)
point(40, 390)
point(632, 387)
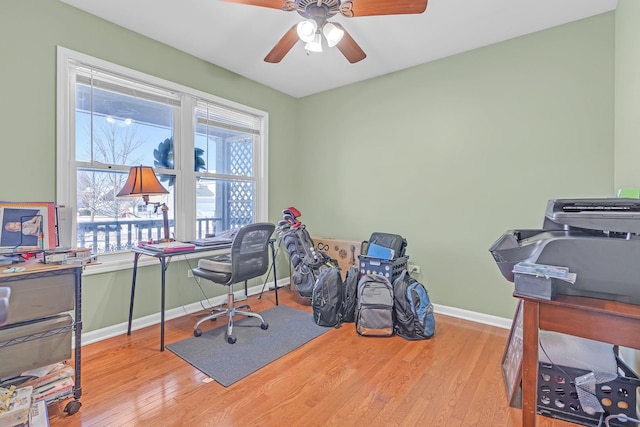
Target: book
point(377, 251)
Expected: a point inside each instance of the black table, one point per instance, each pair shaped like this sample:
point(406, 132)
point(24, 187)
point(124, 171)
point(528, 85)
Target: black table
point(164, 258)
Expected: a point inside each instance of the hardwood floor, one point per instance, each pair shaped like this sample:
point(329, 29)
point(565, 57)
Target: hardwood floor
point(338, 379)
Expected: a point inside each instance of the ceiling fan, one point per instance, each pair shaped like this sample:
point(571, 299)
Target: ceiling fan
point(316, 24)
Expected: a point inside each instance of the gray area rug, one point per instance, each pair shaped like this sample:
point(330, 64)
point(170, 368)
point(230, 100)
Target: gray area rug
point(226, 363)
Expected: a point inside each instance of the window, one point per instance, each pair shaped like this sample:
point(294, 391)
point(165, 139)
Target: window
point(209, 153)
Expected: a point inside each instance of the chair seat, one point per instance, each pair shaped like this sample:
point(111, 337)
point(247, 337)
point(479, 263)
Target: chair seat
point(214, 276)
point(219, 264)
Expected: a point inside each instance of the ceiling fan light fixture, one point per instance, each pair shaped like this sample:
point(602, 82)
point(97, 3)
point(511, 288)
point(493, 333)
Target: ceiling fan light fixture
point(307, 30)
point(332, 33)
point(315, 45)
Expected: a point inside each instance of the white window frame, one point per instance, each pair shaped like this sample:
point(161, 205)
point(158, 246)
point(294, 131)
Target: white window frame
point(185, 194)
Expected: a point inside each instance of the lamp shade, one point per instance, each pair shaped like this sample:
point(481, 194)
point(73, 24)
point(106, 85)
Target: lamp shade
point(332, 33)
point(315, 45)
point(307, 30)
point(142, 181)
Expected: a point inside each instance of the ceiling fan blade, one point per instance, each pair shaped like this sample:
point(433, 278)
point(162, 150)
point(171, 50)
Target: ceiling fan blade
point(273, 4)
point(283, 46)
point(349, 48)
point(383, 7)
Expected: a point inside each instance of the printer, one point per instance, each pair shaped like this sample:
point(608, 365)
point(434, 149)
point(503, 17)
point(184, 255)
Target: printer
point(598, 239)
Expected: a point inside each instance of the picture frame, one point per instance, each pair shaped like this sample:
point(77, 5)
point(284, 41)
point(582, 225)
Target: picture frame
point(512, 360)
point(27, 226)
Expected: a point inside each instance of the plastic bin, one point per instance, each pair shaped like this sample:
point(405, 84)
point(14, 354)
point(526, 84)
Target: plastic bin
point(19, 406)
point(389, 268)
point(41, 296)
point(557, 396)
point(33, 344)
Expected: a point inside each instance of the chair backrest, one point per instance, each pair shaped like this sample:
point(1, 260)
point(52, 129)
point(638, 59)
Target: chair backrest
point(250, 251)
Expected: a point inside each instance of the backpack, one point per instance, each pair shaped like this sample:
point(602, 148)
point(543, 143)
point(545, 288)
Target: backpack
point(413, 309)
point(350, 294)
point(395, 242)
point(326, 299)
point(374, 310)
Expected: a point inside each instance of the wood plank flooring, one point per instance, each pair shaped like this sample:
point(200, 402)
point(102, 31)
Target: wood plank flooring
point(338, 379)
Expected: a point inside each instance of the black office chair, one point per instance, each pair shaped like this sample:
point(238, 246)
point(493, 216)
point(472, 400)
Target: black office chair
point(249, 258)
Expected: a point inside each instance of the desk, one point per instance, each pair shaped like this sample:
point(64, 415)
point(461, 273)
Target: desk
point(164, 258)
point(601, 320)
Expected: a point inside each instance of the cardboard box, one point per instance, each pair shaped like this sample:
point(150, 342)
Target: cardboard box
point(346, 252)
point(52, 391)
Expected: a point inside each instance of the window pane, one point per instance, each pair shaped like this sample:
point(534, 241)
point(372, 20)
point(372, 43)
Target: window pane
point(225, 149)
point(223, 204)
point(107, 223)
point(118, 129)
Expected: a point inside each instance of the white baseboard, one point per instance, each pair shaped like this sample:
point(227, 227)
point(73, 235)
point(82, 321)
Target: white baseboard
point(154, 319)
point(473, 316)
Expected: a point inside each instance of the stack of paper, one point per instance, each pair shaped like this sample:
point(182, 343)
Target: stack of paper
point(167, 247)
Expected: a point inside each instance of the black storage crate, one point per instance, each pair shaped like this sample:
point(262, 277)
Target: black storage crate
point(390, 268)
point(558, 398)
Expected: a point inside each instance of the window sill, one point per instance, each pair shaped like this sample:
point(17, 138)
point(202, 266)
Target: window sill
point(108, 263)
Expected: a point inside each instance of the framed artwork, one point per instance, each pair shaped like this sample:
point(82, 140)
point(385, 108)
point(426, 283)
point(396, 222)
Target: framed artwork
point(512, 360)
point(27, 226)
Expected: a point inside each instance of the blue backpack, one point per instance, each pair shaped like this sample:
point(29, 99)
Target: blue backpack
point(414, 318)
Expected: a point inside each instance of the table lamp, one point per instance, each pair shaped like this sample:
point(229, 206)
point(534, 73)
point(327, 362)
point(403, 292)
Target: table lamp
point(143, 182)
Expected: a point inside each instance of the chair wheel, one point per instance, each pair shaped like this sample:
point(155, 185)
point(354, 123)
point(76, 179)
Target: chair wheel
point(231, 339)
point(264, 326)
point(72, 407)
point(197, 332)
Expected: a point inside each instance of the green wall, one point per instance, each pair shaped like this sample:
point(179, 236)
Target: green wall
point(452, 153)
point(627, 106)
point(449, 154)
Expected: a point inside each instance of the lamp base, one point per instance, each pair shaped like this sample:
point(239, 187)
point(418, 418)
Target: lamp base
point(165, 222)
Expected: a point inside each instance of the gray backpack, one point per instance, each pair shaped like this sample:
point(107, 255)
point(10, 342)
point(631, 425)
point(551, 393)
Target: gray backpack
point(374, 310)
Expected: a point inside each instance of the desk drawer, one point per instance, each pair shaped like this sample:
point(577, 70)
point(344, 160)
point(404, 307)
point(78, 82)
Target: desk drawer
point(40, 295)
point(34, 344)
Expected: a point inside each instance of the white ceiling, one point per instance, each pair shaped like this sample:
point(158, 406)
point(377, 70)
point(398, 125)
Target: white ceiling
point(238, 37)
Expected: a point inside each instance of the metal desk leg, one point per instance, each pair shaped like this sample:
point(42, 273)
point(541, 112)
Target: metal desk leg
point(164, 262)
point(136, 256)
point(77, 363)
point(273, 262)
